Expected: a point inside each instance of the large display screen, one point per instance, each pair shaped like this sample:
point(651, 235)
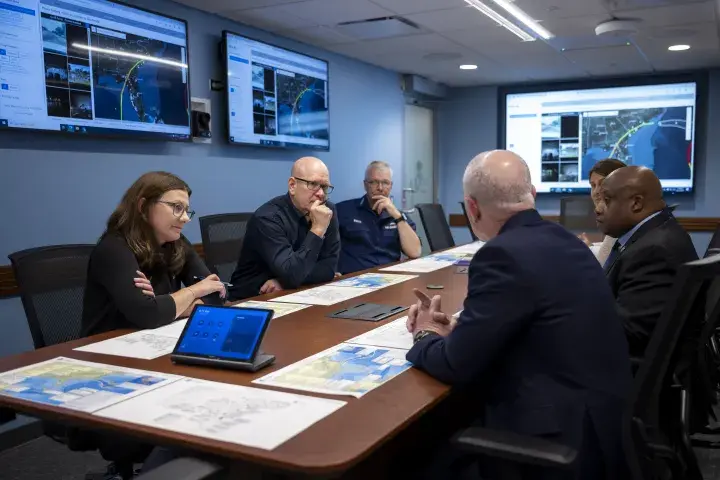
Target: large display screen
point(93, 67)
point(276, 97)
point(563, 133)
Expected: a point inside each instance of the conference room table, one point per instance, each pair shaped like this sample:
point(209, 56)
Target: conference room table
point(361, 438)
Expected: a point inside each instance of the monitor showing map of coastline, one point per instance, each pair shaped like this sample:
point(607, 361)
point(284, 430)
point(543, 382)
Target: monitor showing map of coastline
point(276, 97)
point(562, 134)
point(86, 67)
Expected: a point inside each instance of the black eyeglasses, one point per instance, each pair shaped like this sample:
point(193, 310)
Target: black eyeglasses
point(179, 209)
point(315, 186)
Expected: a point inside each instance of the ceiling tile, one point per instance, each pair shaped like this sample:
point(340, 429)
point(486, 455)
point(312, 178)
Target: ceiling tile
point(672, 14)
point(270, 18)
point(705, 51)
point(452, 19)
point(543, 65)
point(495, 41)
point(427, 43)
point(403, 7)
point(554, 9)
point(419, 63)
point(576, 27)
point(610, 60)
point(235, 5)
point(317, 35)
point(332, 12)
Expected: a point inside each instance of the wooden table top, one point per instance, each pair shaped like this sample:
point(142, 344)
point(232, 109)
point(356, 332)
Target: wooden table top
point(332, 445)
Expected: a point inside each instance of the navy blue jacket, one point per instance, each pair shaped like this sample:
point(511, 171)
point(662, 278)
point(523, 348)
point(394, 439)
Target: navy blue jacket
point(540, 337)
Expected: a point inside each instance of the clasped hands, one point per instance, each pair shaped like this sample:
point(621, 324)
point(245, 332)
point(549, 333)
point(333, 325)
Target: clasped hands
point(427, 315)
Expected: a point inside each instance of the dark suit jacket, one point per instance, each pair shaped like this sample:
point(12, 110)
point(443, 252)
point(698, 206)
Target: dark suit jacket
point(540, 337)
point(643, 273)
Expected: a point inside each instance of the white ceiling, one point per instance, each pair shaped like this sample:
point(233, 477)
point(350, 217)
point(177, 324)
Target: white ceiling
point(452, 34)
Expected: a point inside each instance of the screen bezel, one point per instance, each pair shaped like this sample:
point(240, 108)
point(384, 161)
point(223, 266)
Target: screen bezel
point(135, 135)
point(269, 315)
point(700, 78)
point(227, 96)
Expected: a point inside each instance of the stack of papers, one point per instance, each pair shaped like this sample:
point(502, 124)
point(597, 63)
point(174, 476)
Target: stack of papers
point(392, 335)
point(324, 295)
point(279, 308)
point(229, 413)
point(420, 265)
point(77, 385)
point(375, 281)
point(344, 369)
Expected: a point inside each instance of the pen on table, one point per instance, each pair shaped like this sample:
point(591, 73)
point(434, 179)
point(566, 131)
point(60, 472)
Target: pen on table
point(203, 278)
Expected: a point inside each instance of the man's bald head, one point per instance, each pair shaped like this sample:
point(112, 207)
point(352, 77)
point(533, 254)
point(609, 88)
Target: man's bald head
point(497, 185)
point(308, 166)
point(628, 196)
point(309, 182)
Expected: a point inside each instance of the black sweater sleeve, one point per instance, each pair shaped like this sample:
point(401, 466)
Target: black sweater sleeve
point(113, 265)
point(194, 265)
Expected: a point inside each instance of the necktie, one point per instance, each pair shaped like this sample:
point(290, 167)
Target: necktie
point(613, 255)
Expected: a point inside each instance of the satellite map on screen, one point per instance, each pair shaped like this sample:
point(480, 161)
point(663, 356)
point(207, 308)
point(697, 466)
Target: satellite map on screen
point(302, 109)
point(651, 137)
point(138, 89)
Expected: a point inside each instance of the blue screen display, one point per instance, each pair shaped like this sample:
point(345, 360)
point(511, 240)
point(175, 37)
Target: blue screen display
point(223, 332)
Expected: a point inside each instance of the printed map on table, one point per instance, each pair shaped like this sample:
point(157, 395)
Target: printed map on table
point(373, 280)
point(78, 385)
point(344, 369)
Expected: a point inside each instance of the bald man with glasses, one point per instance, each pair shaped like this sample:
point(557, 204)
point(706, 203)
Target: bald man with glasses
point(293, 239)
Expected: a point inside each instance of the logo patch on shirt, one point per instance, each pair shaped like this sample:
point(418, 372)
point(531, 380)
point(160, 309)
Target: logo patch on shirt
point(391, 226)
point(357, 221)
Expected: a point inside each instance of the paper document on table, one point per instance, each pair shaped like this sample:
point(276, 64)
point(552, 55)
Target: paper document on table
point(78, 385)
point(453, 257)
point(375, 281)
point(419, 265)
point(174, 330)
point(230, 413)
point(145, 344)
point(393, 335)
point(279, 308)
point(324, 295)
point(344, 369)
point(470, 248)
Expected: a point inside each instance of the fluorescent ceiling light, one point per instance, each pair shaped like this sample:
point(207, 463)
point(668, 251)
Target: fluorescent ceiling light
point(468, 67)
point(120, 53)
point(678, 48)
point(524, 18)
point(502, 21)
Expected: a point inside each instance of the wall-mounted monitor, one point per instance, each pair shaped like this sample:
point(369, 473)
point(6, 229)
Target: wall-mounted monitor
point(87, 67)
point(276, 97)
point(563, 132)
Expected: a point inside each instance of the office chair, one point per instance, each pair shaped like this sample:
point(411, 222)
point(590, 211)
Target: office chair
point(714, 245)
point(436, 226)
point(578, 213)
point(467, 219)
point(184, 468)
point(222, 238)
point(52, 284)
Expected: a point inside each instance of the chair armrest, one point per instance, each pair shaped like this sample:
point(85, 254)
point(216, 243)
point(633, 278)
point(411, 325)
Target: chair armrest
point(184, 468)
point(517, 448)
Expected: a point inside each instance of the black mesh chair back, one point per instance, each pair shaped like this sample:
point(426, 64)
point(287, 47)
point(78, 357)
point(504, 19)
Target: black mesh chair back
point(714, 245)
point(577, 214)
point(467, 219)
point(436, 226)
point(656, 442)
point(52, 285)
point(222, 238)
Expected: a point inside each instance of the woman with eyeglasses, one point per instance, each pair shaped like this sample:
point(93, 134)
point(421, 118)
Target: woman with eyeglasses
point(143, 271)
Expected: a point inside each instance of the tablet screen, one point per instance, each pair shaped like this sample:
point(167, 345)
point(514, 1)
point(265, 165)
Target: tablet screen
point(224, 332)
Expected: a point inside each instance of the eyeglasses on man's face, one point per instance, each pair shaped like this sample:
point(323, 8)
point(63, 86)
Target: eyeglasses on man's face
point(178, 209)
point(381, 183)
point(315, 186)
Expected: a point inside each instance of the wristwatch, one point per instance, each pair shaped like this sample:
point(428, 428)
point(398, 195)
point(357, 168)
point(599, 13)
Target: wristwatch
point(422, 334)
point(403, 218)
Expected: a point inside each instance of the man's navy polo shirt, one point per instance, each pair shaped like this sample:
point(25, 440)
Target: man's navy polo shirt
point(367, 240)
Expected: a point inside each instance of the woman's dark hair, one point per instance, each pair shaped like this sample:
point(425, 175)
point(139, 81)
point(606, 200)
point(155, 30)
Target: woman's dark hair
point(606, 167)
point(130, 220)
